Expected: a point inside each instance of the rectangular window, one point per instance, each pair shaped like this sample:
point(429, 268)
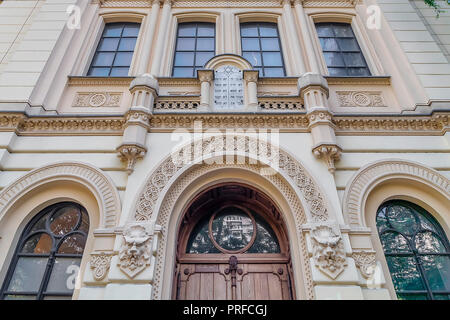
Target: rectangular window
point(261, 47)
point(341, 51)
point(196, 44)
point(115, 50)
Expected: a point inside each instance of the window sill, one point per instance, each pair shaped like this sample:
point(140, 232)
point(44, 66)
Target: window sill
point(371, 80)
point(90, 80)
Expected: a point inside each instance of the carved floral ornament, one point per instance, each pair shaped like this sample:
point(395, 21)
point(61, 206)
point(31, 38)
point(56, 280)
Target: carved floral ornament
point(365, 261)
point(100, 263)
point(140, 242)
point(328, 250)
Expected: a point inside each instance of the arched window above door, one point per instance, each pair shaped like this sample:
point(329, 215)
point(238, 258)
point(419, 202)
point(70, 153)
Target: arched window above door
point(48, 255)
point(233, 230)
point(416, 249)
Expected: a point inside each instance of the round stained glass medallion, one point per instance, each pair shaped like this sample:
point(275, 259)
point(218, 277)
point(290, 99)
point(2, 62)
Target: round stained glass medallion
point(232, 229)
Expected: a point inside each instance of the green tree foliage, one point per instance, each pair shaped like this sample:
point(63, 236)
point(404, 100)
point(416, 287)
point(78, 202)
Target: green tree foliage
point(435, 5)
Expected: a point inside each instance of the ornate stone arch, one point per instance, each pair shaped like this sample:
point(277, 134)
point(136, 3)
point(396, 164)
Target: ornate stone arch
point(93, 178)
point(368, 177)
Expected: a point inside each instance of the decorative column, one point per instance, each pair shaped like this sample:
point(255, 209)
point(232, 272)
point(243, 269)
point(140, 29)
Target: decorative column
point(144, 89)
point(314, 92)
point(251, 79)
point(205, 77)
point(293, 36)
point(162, 35)
point(148, 40)
point(306, 36)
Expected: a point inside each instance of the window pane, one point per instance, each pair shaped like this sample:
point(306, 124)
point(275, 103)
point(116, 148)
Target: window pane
point(99, 72)
point(270, 44)
point(427, 242)
point(119, 71)
point(401, 218)
point(358, 72)
point(58, 297)
point(64, 274)
point(73, 244)
point(127, 44)
point(28, 274)
point(273, 72)
point(348, 44)
point(324, 30)
point(249, 30)
point(131, 30)
point(64, 220)
point(186, 44)
point(183, 72)
point(108, 44)
point(39, 243)
point(338, 72)
point(414, 296)
point(333, 59)
point(202, 57)
point(103, 59)
point(394, 242)
point(272, 59)
point(250, 44)
point(184, 59)
point(266, 241)
point(354, 60)
point(343, 30)
point(206, 44)
point(268, 30)
point(254, 58)
point(199, 241)
point(232, 229)
point(186, 30)
point(123, 59)
point(329, 44)
point(437, 271)
point(404, 273)
point(205, 30)
point(19, 297)
point(113, 30)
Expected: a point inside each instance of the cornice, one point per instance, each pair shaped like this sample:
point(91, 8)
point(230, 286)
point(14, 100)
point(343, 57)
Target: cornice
point(99, 81)
point(435, 124)
point(379, 80)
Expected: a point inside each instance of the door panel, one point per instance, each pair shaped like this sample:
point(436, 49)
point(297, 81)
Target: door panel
point(215, 282)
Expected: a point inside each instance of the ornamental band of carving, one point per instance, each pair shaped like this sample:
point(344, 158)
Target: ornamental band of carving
point(360, 99)
point(100, 263)
point(97, 99)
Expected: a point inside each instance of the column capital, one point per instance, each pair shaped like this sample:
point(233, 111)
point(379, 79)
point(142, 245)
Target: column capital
point(205, 75)
point(312, 80)
point(147, 81)
point(251, 75)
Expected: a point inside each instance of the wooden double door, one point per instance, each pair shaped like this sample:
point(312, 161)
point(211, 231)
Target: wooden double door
point(232, 245)
point(229, 281)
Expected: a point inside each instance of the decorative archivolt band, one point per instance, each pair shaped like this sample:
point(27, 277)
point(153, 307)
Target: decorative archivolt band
point(103, 187)
point(367, 177)
point(245, 144)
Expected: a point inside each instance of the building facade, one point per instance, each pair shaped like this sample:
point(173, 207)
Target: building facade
point(198, 149)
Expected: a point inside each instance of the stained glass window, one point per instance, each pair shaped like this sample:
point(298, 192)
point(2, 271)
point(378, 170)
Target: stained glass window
point(416, 249)
point(48, 255)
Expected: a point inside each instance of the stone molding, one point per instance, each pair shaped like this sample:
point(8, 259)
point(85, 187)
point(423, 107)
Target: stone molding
point(100, 184)
point(370, 175)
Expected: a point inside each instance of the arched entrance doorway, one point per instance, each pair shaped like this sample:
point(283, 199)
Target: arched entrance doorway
point(232, 245)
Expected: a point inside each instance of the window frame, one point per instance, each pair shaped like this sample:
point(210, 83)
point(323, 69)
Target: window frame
point(413, 252)
point(258, 23)
point(26, 234)
point(102, 36)
point(195, 51)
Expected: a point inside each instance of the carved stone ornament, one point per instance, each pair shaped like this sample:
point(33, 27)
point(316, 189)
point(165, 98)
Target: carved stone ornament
point(365, 261)
point(328, 250)
point(100, 263)
point(360, 99)
point(130, 154)
point(136, 251)
point(330, 153)
point(97, 99)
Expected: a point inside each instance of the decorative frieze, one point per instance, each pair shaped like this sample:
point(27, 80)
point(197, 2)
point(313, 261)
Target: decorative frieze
point(97, 99)
point(328, 250)
point(280, 104)
point(171, 104)
point(360, 99)
point(330, 3)
point(225, 3)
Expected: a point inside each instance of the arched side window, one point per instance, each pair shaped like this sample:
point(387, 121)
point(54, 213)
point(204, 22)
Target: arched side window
point(115, 50)
point(417, 251)
point(48, 255)
point(196, 44)
point(262, 48)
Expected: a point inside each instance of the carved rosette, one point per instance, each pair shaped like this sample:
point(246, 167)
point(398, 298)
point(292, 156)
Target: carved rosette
point(130, 154)
point(328, 250)
point(136, 250)
point(330, 153)
point(365, 261)
point(100, 263)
